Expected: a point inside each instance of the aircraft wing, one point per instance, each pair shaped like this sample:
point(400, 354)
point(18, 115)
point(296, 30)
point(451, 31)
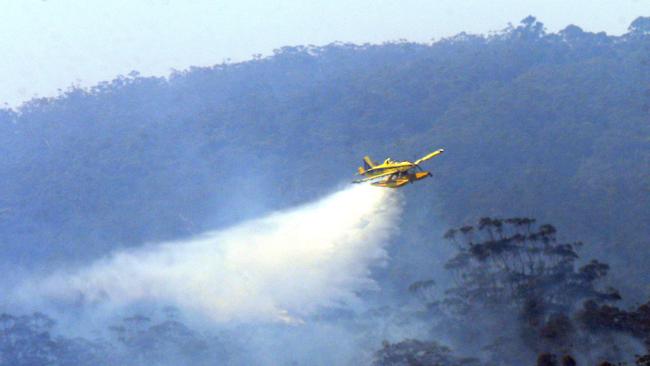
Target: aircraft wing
point(396, 166)
point(427, 157)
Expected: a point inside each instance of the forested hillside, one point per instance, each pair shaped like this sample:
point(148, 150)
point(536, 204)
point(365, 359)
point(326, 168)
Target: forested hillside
point(554, 126)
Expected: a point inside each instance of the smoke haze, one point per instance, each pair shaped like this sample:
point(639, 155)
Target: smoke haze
point(279, 268)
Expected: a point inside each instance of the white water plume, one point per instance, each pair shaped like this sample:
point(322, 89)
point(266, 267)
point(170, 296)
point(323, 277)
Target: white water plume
point(281, 267)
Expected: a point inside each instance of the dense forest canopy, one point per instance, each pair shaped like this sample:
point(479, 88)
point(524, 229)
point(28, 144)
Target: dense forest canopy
point(548, 125)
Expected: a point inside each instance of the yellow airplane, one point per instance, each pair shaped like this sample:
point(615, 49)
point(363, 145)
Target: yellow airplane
point(394, 174)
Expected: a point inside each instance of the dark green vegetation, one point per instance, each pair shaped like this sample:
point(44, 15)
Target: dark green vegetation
point(519, 292)
point(28, 341)
point(552, 126)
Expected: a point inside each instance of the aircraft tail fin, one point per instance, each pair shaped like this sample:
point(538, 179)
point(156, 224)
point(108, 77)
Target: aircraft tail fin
point(367, 163)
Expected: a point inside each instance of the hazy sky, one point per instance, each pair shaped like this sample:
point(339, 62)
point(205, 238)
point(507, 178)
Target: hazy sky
point(47, 45)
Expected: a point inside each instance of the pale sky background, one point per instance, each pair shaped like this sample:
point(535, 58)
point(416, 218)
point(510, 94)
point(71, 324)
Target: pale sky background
point(46, 45)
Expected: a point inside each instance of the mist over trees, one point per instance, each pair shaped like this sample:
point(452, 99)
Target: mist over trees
point(554, 126)
point(29, 340)
point(519, 295)
point(518, 292)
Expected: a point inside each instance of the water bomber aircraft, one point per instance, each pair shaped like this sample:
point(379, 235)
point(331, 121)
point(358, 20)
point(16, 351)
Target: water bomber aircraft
point(394, 174)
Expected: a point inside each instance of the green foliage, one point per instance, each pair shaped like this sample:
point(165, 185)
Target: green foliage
point(607, 318)
point(417, 353)
point(640, 25)
point(27, 340)
point(534, 123)
point(550, 125)
point(520, 293)
point(144, 342)
point(514, 264)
